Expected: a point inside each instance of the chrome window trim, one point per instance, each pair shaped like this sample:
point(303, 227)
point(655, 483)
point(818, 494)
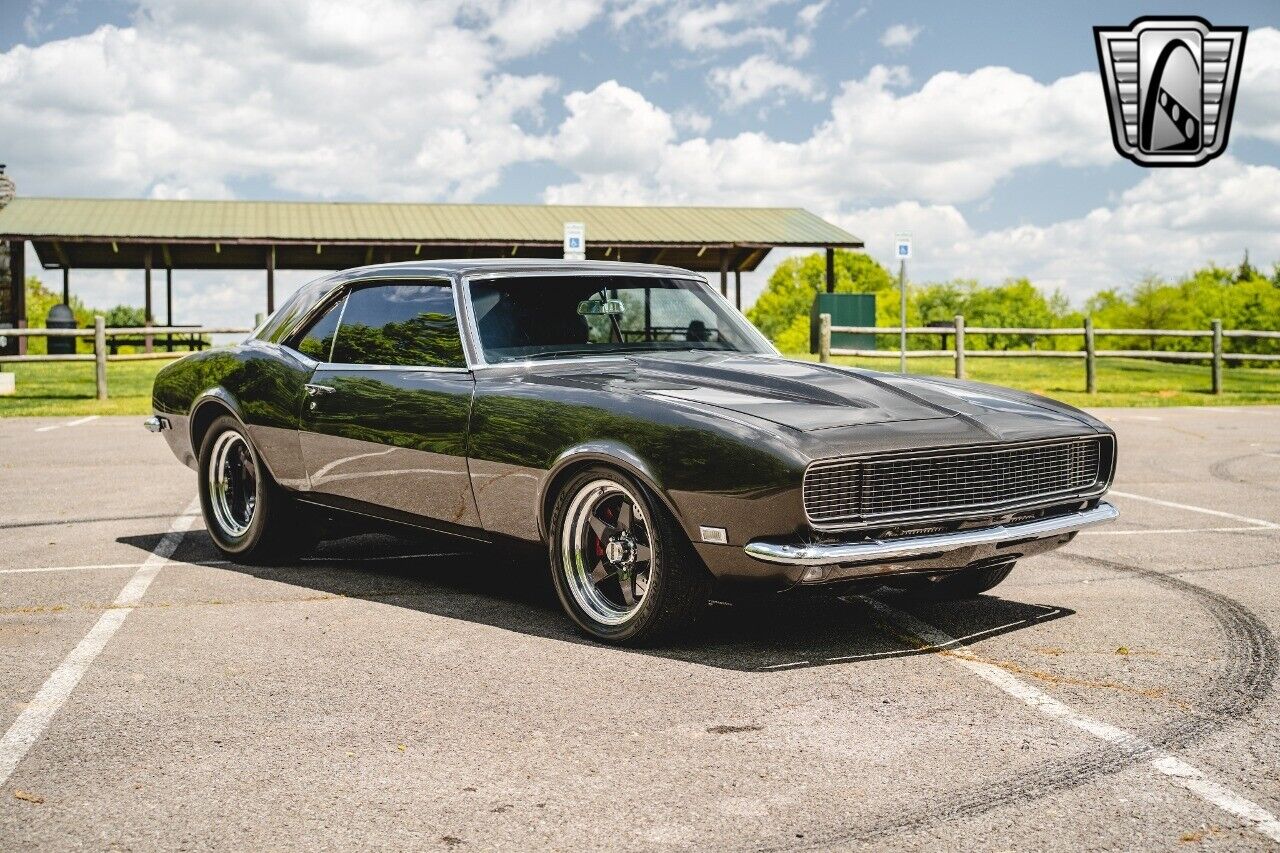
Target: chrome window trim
point(393, 368)
point(343, 289)
point(471, 336)
point(337, 330)
point(960, 513)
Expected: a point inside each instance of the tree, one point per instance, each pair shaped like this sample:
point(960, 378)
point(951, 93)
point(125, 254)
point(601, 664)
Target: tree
point(1247, 271)
point(782, 311)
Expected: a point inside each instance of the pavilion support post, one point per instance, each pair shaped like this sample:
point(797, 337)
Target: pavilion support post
point(724, 273)
point(271, 280)
point(168, 307)
point(831, 270)
point(147, 341)
point(66, 286)
point(18, 272)
point(737, 289)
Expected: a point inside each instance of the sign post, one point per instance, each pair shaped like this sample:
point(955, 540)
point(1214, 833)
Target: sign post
point(902, 251)
point(575, 241)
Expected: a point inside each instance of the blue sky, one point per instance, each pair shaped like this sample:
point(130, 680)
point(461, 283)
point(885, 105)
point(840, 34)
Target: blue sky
point(980, 127)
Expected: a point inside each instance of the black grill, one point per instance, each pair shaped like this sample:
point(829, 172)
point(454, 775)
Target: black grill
point(933, 483)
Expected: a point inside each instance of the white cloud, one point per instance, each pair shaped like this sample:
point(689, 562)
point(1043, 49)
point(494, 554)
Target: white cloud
point(525, 26)
point(950, 141)
point(1258, 98)
point(612, 129)
point(808, 16)
point(899, 36)
point(385, 99)
point(1172, 221)
point(760, 77)
point(701, 26)
point(692, 120)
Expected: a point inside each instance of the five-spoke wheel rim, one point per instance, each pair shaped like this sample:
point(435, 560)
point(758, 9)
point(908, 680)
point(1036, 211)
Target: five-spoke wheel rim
point(607, 552)
point(232, 484)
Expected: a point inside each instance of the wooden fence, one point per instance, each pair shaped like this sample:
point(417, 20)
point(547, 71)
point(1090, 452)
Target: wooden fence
point(100, 355)
point(1216, 355)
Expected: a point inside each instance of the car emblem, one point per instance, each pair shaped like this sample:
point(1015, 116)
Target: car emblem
point(1171, 86)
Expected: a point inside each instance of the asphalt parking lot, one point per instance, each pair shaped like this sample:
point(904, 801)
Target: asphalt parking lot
point(406, 694)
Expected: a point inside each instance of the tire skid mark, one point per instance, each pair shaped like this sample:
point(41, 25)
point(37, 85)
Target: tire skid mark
point(1235, 692)
point(1221, 470)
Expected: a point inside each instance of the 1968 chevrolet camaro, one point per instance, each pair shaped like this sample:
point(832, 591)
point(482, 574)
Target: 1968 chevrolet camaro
point(625, 418)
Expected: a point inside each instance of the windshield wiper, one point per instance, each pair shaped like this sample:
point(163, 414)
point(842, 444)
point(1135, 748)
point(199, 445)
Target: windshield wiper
point(559, 352)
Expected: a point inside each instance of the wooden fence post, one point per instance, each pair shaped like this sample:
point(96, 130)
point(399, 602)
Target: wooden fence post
point(824, 338)
point(100, 355)
point(1217, 356)
point(959, 346)
point(1090, 359)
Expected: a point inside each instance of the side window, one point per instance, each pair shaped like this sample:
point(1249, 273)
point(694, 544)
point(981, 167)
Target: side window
point(400, 324)
point(317, 342)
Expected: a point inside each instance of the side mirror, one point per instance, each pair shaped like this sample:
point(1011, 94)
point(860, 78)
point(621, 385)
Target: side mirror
point(597, 307)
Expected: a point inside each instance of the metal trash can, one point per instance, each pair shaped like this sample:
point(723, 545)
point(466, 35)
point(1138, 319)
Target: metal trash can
point(61, 317)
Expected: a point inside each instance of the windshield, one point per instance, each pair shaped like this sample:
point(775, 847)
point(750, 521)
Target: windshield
point(563, 316)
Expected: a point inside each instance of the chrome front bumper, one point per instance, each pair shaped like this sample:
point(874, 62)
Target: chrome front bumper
point(936, 545)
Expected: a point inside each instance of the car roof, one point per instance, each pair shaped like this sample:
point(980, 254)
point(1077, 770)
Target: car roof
point(488, 266)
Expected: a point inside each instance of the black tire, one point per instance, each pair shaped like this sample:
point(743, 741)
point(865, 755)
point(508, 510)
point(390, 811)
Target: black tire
point(677, 585)
point(270, 529)
point(966, 583)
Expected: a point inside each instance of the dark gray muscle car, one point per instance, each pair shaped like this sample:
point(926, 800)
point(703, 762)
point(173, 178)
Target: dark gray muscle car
point(629, 421)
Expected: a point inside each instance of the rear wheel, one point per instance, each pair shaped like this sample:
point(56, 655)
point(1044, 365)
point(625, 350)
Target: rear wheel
point(622, 567)
point(248, 516)
point(965, 583)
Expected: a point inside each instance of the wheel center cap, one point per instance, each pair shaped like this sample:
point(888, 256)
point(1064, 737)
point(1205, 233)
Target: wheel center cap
point(619, 550)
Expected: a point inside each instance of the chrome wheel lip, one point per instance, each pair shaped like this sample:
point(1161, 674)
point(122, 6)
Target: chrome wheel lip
point(220, 478)
point(576, 562)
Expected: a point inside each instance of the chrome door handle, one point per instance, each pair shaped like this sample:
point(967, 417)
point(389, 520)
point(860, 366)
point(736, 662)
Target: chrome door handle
point(318, 390)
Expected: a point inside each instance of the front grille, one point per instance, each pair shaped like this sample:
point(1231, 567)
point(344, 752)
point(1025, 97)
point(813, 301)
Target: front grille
point(929, 484)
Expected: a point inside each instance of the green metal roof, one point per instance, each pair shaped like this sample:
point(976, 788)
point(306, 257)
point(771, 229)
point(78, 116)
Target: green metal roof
point(264, 222)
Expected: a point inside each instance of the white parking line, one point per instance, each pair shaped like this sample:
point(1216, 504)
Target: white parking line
point(1174, 768)
point(1259, 522)
point(35, 718)
point(76, 422)
point(109, 566)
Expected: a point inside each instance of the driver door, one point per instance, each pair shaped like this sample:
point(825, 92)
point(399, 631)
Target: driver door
point(385, 420)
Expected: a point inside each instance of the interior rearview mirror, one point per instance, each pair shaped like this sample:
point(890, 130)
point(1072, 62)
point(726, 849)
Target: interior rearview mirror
point(597, 307)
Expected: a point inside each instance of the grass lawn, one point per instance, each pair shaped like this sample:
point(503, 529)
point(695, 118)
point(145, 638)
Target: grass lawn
point(1121, 381)
point(67, 389)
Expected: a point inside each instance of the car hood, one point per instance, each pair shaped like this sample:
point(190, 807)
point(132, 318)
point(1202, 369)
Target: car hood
point(808, 397)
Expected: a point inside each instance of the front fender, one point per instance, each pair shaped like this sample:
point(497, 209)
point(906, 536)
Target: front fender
point(602, 451)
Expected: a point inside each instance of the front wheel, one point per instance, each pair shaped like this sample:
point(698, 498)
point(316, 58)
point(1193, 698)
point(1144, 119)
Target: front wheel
point(622, 567)
point(247, 515)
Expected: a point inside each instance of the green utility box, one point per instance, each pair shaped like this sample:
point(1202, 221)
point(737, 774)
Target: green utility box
point(846, 309)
